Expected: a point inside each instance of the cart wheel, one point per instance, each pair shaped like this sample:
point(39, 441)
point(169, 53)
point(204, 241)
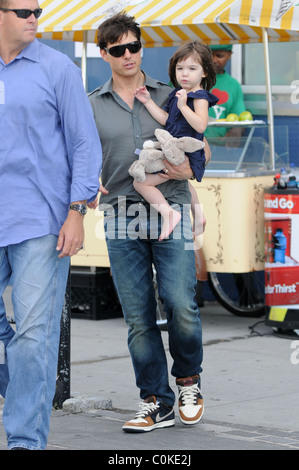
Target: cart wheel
point(242, 294)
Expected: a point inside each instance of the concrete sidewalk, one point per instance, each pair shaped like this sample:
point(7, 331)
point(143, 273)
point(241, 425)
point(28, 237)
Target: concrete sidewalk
point(250, 384)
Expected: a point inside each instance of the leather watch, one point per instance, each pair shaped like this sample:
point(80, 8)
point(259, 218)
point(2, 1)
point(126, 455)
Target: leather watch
point(82, 208)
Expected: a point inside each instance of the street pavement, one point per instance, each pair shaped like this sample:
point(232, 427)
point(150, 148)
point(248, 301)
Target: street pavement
point(250, 383)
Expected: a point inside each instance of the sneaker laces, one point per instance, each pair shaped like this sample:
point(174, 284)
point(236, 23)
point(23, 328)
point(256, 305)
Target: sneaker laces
point(146, 408)
point(189, 395)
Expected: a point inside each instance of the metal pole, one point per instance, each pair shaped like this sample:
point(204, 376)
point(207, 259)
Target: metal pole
point(269, 98)
point(84, 60)
point(63, 381)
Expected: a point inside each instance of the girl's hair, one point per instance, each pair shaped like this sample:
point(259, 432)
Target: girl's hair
point(203, 54)
point(112, 29)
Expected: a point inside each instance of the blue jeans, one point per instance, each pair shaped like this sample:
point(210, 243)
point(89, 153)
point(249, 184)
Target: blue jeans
point(28, 377)
point(133, 248)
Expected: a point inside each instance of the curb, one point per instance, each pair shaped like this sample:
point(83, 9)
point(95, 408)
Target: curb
point(84, 403)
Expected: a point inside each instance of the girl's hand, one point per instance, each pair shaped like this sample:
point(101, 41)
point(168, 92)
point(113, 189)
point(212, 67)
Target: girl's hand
point(182, 98)
point(142, 94)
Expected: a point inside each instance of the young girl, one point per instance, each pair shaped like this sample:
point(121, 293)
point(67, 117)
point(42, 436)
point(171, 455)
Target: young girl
point(191, 71)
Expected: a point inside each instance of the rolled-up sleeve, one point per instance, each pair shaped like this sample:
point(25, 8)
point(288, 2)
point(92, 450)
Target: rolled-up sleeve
point(82, 141)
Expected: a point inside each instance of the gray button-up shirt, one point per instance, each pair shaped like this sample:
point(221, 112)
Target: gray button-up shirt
point(122, 131)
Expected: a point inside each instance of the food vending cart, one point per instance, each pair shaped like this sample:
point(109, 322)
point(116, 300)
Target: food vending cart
point(232, 190)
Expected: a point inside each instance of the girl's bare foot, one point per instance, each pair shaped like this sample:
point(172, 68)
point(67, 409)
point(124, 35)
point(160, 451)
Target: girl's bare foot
point(169, 223)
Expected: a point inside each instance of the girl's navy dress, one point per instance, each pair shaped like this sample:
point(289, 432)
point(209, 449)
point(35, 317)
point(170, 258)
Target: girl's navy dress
point(177, 126)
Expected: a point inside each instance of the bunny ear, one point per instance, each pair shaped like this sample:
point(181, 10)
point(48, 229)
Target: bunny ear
point(189, 144)
point(163, 135)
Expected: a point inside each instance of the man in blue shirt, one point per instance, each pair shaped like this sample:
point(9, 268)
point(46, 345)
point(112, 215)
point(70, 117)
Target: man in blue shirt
point(50, 160)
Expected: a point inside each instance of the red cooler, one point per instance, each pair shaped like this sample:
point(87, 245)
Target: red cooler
point(281, 208)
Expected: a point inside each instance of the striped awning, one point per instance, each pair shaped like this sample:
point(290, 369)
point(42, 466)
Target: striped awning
point(170, 22)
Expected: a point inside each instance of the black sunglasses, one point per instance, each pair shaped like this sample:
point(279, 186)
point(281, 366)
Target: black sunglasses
point(24, 13)
point(118, 51)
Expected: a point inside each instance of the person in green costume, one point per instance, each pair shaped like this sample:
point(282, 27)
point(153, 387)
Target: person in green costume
point(229, 92)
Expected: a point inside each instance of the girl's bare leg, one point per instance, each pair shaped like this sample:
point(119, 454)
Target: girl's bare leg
point(199, 220)
point(153, 196)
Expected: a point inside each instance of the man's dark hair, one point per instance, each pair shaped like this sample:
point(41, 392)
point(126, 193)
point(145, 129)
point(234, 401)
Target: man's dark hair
point(112, 29)
point(202, 54)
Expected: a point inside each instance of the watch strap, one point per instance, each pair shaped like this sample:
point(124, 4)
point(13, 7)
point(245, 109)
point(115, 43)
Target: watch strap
point(82, 208)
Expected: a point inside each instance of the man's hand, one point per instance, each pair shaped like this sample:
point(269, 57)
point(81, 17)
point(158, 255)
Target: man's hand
point(177, 172)
point(94, 204)
point(71, 235)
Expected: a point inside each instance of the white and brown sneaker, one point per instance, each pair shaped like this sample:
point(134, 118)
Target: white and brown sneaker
point(191, 407)
point(151, 415)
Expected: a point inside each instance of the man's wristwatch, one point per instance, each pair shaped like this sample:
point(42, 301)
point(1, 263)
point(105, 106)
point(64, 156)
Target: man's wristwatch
point(82, 208)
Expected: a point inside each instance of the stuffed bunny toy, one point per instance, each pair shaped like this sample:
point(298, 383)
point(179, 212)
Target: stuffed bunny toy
point(167, 147)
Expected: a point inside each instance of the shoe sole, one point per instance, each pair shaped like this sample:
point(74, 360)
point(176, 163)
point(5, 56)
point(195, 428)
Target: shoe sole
point(192, 422)
point(135, 429)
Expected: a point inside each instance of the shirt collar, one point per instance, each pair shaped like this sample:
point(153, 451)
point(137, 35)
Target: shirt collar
point(30, 52)
point(107, 87)
point(151, 82)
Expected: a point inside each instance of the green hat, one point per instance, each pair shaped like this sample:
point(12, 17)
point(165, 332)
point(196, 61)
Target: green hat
point(222, 47)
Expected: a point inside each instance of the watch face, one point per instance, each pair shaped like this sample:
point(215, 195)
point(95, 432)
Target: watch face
point(82, 208)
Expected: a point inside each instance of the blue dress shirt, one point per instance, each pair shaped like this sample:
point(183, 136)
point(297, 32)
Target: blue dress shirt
point(50, 151)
